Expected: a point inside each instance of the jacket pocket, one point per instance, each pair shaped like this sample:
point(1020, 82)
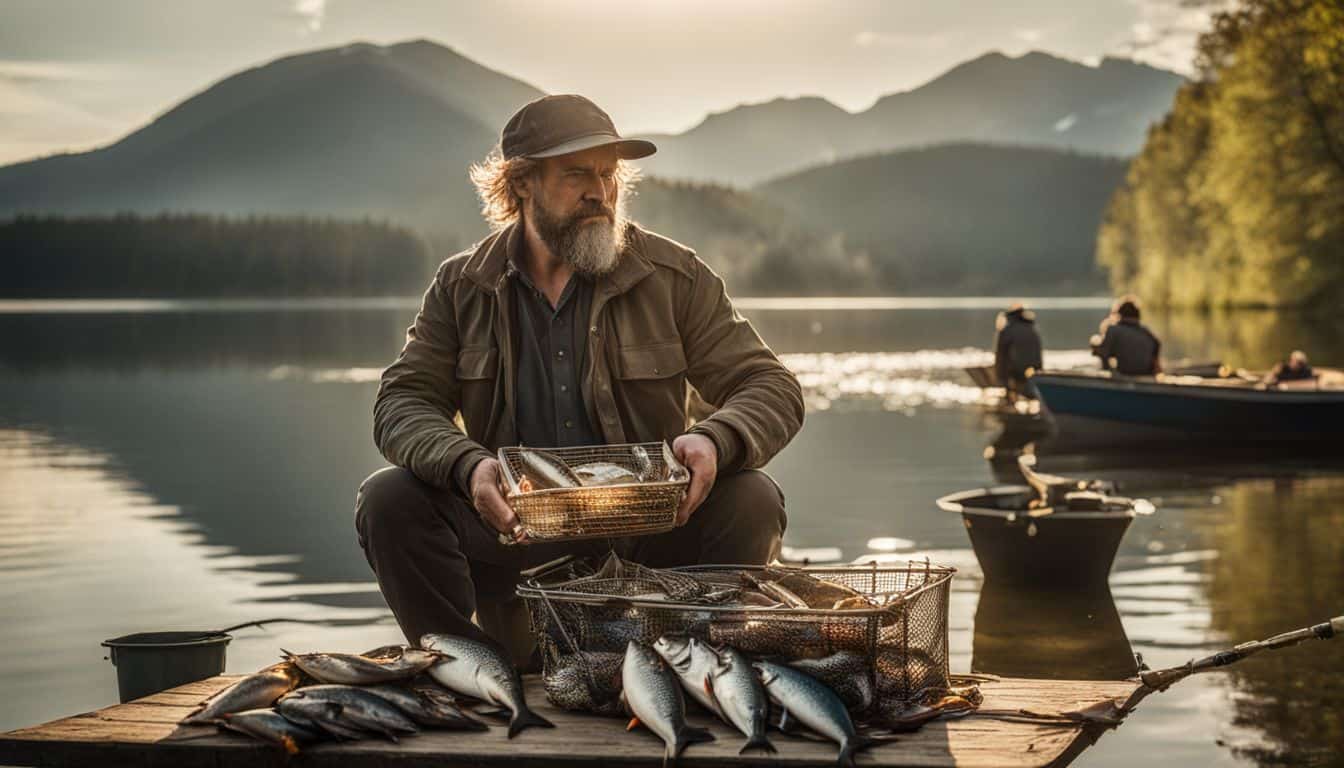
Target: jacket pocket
point(477, 363)
point(477, 380)
point(650, 361)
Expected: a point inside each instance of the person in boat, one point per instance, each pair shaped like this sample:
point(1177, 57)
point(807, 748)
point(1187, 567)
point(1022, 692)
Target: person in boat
point(1295, 368)
point(1017, 351)
point(569, 325)
point(1124, 344)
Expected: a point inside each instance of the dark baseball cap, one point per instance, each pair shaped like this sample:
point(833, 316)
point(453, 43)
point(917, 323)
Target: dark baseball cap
point(558, 125)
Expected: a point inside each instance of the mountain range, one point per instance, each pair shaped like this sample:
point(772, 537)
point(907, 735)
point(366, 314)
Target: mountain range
point(389, 131)
point(1033, 100)
point(360, 130)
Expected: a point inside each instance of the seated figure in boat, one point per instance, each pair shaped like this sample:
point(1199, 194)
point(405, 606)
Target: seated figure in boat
point(1124, 344)
point(567, 326)
point(1295, 368)
point(1017, 351)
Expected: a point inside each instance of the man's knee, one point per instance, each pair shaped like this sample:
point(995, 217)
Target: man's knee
point(752, 499)
point(392, 500)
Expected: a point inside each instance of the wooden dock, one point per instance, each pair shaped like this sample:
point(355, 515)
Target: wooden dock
point(145, 733)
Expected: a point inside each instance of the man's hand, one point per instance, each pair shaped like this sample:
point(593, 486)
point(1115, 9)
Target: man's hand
point(489, 502)
point(701, 457)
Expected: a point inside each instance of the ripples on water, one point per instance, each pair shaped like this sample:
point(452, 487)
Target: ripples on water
point(194, 470)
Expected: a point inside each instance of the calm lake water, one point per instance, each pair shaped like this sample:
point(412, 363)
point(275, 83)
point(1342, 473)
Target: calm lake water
point(171, 467)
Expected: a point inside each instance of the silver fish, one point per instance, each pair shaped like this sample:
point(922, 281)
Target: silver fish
point(741, 699)
point(815, 706)
point(546, 470)
point(844, 672)
point(428, 708)
point(352, 669)
point(320, 715)
point(604, 473)
point(675, 472)
point(269, 725)
point(589, 681)
point(643, 464)
point(774, 590)
point(475, 669)
point(693, 662)
point(653, 696)
point(816, 592)
point(255, 691)
point(355, 706)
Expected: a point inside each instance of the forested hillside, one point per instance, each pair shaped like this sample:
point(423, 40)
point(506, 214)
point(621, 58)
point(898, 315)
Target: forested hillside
point(1238, 196)
point(963, 217)
point(208, 256)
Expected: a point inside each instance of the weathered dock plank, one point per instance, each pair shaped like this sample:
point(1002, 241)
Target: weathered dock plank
point(145, 733)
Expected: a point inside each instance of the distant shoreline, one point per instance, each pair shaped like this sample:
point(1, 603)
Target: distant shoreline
point(376, 303)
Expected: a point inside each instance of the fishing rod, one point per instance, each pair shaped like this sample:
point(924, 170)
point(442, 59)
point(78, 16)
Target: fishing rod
point(1111, 712)
point(1162, 679)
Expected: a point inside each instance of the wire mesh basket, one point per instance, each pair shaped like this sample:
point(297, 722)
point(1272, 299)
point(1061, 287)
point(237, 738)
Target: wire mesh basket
point(645, 502)
point(584, 622)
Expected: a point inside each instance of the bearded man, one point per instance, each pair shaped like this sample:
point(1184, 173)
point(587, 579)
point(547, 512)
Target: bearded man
point(569, 325)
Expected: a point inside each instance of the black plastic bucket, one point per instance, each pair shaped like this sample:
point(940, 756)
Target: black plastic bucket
point(149, 662)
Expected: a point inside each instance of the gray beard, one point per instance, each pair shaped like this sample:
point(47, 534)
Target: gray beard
point(592, 249)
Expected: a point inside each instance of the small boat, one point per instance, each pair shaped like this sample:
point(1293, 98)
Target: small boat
point(1110, 408)
point(1053, 533)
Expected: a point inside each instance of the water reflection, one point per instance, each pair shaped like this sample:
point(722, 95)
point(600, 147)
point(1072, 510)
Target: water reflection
point(1056, 636)
point(1282, 567)
point(195, 469)
point(1254, 339)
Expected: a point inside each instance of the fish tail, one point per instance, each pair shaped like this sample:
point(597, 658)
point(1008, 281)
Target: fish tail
point(689, 735)
point(759, 741)
point(526, 718)
point(856, 743)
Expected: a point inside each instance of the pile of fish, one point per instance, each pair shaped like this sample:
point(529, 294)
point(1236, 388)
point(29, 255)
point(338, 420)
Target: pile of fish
point(543, 470)
point(769, 587)
point(817, 695)
point(387, 692)
point(755, 647)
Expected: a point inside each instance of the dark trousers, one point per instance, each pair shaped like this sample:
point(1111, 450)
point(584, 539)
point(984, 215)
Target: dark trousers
point(438, 563)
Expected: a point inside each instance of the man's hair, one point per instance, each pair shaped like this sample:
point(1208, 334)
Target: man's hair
point(1127, 307)
point(494, 178)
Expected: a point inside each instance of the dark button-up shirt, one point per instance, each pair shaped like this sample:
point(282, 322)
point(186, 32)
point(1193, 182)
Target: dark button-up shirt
point(1129, 348)
point(551, 345)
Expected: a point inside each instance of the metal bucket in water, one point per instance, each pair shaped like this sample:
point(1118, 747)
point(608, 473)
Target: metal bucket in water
point(149, 662)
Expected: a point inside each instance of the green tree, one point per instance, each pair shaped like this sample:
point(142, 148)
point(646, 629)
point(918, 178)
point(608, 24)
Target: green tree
point(1238, 196)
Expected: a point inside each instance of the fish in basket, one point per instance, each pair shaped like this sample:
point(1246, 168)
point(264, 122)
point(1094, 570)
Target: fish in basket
point(877, 634)
point(591, 492)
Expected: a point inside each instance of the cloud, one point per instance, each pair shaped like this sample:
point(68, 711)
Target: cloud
point(870, 39)
point(1029, 35)
point(29, 72)
point(1166, 31)
point(311, 13)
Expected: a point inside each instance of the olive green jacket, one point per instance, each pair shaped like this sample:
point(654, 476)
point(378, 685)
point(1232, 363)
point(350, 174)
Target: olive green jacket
point(660, 323)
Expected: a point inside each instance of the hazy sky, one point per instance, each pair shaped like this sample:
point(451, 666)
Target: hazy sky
point(80, 73)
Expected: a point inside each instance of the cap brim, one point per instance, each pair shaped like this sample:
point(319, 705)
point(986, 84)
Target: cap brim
point(626, 149)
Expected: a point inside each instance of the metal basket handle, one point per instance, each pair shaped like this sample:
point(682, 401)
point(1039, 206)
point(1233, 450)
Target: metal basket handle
point(538, 571)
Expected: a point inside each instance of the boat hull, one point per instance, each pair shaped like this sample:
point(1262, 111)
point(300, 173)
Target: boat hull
point(1059, 551)
point(1120, 409)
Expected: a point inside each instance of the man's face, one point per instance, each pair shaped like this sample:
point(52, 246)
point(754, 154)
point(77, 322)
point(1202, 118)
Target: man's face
point(574, 204)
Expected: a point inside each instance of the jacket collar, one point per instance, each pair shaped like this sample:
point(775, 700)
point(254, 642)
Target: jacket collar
point(493, 261)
